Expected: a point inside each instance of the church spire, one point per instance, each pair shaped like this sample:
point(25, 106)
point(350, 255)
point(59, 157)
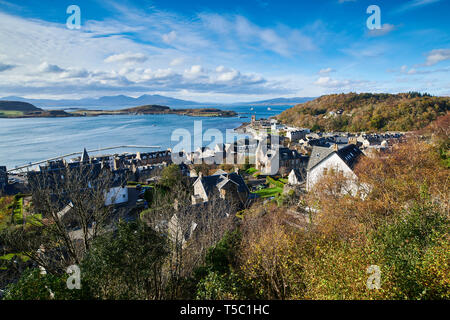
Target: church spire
point(85, 157)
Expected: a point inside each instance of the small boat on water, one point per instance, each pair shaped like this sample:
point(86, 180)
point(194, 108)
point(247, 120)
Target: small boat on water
point(251, 109)
point(269, 108)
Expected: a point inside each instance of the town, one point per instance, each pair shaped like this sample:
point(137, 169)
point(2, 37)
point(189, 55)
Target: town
point(298, 160)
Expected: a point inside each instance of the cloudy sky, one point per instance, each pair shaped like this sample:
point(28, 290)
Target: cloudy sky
point(222, 51)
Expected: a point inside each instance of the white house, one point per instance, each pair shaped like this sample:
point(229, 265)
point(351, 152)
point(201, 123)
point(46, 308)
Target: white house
point(295, 177)
point(116, 195)
point(336, 158)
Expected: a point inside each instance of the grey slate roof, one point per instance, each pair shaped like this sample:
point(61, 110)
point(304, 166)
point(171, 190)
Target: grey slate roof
point(218, 181)
point(288, 154)
point(317, 155)
point(348, 153)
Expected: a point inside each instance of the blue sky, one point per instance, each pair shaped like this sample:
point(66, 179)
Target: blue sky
point(223, 51)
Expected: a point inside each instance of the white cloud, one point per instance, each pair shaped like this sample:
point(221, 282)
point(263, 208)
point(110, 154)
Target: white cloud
point(436, 56)
point(326, 71)
point(127, 58)
point(345, 84)
point(194, 72)
point(176, 62)
point(239, 31)
point(404, 70)
point(229, 76)
point(49, 68)
point(384, 30)
point(413, 4)
point(169, 37)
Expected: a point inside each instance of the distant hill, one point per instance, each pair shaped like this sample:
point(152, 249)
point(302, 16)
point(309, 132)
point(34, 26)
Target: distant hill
point(18, 106)
point(277, 101)
point(148, 108)
point(116, 102)
point(367, 112)
point(120, 101)
point(19, 109)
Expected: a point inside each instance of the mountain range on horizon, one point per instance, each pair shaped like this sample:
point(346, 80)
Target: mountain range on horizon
point(124, 101)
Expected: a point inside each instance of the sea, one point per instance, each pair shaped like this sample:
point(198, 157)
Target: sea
point(30, 140)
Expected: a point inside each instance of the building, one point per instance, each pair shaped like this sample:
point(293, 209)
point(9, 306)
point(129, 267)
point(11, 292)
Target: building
point(296, 177)
point(3, 178)
point(296, 135)
point(338, 159)
point(116, 195)
point(228, 186)
point(276, 159)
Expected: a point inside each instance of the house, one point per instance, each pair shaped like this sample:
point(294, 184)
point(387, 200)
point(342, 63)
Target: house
point(276, 159)
point(88, 171)
point(296, 135)
point(340, 159)
point(116, 195)
point(296, 177)
point(229, 186)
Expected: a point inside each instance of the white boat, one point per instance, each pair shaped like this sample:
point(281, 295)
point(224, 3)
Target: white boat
point(269, 108)
point(251, 109)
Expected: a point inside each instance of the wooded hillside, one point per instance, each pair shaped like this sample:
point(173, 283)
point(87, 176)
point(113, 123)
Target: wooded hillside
point(367, 112)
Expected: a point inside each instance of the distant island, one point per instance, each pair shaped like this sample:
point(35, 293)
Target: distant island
point(19, 109)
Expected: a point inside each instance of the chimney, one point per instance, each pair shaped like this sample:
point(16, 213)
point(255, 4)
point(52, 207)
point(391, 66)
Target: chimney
point(200, 174)
point(335, 147)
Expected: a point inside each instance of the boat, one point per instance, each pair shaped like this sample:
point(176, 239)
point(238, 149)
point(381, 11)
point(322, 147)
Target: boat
point(269, 108)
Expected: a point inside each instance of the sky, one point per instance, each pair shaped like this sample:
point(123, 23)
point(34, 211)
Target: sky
point(222, 51)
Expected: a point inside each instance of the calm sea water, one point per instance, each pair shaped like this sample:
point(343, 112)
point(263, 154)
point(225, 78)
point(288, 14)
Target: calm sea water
point(23, 141)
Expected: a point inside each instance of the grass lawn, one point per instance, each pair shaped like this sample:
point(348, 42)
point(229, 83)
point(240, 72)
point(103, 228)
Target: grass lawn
point(18, 211)
point(6, 113)
point(269, 192)
point(6, 204)
point(251, 170)
point(9, 256)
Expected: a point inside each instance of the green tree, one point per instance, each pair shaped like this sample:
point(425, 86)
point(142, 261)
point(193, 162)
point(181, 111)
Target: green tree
point(126, 264)
point(170, 175)
point(33, 285)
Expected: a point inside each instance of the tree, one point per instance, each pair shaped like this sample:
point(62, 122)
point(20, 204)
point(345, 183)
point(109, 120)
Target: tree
point(33, 285)
point(170, 175)
point(72, 204)
point(191, 230)
point(126, 264)
point(271, 258)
